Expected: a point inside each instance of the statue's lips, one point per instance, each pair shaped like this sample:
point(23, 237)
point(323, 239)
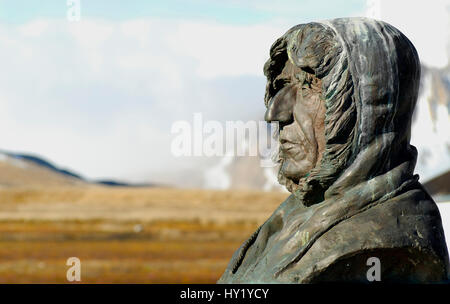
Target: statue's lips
point(286, 145)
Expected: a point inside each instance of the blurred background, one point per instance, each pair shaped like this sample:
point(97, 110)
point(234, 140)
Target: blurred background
point(89, 93)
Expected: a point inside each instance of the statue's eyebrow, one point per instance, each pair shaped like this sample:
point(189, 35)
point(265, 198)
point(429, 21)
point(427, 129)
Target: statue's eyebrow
point(273, 72)
point(278, 45)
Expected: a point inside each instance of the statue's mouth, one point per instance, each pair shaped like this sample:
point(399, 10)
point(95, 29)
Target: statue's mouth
point(285, 145)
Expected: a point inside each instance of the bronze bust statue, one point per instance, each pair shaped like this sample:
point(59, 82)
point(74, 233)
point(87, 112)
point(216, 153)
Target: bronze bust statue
point(343, 92)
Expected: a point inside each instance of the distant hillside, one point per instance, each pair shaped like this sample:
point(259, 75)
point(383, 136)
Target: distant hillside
point(19, 169)
point(27, 170)
point(40, 162)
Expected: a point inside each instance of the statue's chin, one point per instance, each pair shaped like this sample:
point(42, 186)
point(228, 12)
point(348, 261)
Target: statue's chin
point(293, 170)
point(291, 185)
point(287, 178)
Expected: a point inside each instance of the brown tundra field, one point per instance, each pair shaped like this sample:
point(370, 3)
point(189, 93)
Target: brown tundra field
point(125, 234)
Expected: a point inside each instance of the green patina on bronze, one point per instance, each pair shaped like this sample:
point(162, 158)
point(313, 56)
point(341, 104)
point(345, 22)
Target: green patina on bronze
point(344, 92)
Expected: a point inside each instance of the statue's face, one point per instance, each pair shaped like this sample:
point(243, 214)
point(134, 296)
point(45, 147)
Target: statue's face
point(294, 100)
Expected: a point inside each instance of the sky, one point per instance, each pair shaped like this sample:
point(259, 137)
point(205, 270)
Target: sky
point(99, 95)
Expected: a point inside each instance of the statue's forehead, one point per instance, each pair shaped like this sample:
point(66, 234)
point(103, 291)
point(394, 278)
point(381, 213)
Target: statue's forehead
point(298, 34)
point(306, 28)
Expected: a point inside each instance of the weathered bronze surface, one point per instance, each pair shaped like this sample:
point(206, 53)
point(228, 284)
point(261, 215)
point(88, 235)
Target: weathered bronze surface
point(343, 92)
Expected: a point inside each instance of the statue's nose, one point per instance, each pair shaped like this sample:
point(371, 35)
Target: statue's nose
point(281, 106)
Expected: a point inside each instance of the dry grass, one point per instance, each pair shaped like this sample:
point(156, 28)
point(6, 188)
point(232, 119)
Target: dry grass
point(125, 235)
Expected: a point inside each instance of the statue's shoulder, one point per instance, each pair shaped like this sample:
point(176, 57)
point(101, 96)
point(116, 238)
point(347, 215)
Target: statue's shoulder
point(406, 229)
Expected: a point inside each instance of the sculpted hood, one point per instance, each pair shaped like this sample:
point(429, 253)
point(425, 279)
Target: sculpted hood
point(370, 76)
point(362, 197)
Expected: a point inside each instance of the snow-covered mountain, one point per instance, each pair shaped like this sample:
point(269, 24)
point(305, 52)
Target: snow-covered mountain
point(430, 131)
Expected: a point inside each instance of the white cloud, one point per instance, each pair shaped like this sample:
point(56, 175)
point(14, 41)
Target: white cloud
point(99, 96)
point(225, 49)
point(34, 28)
point(425, 23)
